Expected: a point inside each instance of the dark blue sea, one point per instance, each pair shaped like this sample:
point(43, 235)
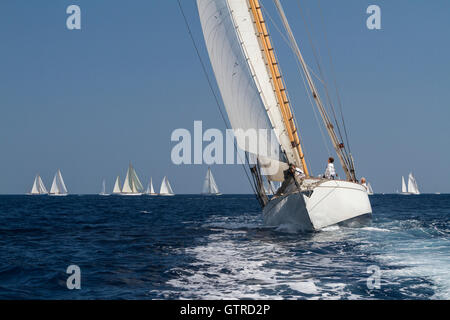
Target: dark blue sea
point(194, 247)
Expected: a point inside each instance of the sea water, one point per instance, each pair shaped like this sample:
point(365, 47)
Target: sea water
point(195, 247)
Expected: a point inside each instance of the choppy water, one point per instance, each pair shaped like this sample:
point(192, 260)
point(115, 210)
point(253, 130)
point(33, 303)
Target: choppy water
point(217, 248)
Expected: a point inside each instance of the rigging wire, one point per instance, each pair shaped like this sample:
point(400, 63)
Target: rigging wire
point(213, 92)
point(303, 78)
point(333, 75)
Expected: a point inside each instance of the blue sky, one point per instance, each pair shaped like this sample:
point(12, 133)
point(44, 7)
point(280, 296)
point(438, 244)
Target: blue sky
point(90, 101)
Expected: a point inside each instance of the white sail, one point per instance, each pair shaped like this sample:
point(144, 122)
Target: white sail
point(150, 189)
point(132, 184)
point(243, 20)
point(209, 185)
point(42, 188)
point(58, 186)
point(166, 189)
point(412, 185)
point(369, 188)
point(117, 188)
point(103, 192)
point(35, 188)
point(235, 77)
point(404, 190)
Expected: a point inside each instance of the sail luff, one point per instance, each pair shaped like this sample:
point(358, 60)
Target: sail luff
point(278, 87)
point(61, 186)
point(152, 191)
point(239, 92)
point(42, 188)
point(127, 184)
point(54, 189)
point(404, 190)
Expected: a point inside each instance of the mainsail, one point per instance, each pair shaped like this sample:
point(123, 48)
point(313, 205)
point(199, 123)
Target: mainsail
point(166, 189)
point(245, 84)
point(404, 190)
point(412, 185)
point(209, 185)
point(132, 184)
point(117, 188)
point(58, 186)
point(38, 186)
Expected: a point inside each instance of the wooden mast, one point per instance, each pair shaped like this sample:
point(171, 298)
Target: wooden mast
point(277, 80)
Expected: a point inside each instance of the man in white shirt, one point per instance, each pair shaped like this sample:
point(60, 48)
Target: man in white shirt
point(330, 172)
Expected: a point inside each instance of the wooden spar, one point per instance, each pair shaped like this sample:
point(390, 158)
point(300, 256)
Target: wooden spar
point(277, 80)
point(347, 164)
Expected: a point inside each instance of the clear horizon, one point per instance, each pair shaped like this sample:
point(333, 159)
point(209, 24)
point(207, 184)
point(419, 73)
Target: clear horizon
point(90, 101)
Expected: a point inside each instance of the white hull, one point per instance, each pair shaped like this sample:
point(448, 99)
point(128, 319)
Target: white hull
point(211, 194)
point(331, 202)
point(103, 194)
point(166, 194)
point(150, 194)
point(58, 194)
point(129, 194)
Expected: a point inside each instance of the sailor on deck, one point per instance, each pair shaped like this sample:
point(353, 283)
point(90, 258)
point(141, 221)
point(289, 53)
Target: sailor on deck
point(330, 172)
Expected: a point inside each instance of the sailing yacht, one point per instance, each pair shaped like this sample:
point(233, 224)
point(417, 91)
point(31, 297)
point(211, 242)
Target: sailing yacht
point(242, 56)
point(103, 192)
point(166, 189)
point(150, 191)
point(58, 187)
point(209, 185)
point(132, 186)
point(38, 187)
point(369, 189)
point(412, 186)
point(117, 189)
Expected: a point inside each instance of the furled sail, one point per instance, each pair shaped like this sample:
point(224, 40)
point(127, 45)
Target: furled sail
point(166, 189)
point(209, 185)
point(237, 79)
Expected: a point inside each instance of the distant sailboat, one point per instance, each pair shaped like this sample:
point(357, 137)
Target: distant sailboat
point(209, 185)
point(369, 189)
point(150, 191)
point(117, 189)
point(412, 186)
point(132, 185)
point(58, 187)
point(166, 189)
point(103, 192)
point(38, 187)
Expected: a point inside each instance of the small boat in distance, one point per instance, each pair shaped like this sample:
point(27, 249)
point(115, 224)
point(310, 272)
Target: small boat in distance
point(103, 192)
point(209, 185)
point(58, 187)
point(38, 187)
point(117, 189)
point(369, 189)
point(150, 191)
point(166, 189)
point(412, 186)
point(132, 186)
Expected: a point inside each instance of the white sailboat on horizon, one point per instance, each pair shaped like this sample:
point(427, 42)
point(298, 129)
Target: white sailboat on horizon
point(242, 56)
point(38, 187)
point(150, 191)
point(166, 189)
point(132, 186)
point(103, 192)
point(58, 187)
point(210, 187)
point(117, 189)
point(413, 188)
